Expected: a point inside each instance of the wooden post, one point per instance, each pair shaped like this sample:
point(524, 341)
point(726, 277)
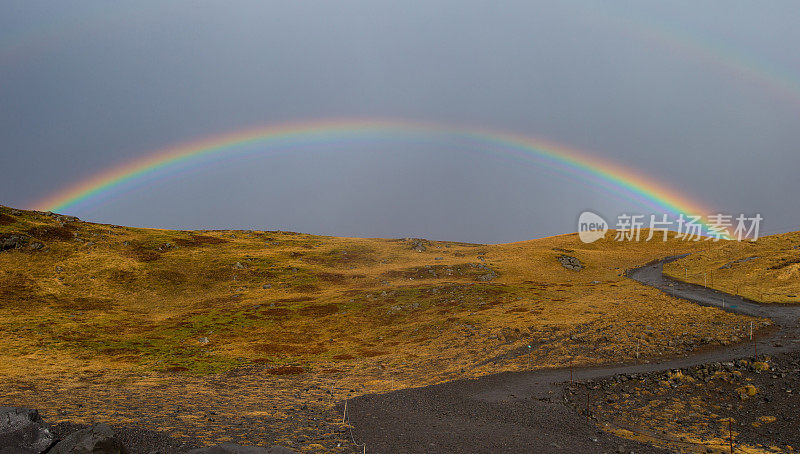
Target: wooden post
point(730, 432)
point(530, 356)
point(588, 392)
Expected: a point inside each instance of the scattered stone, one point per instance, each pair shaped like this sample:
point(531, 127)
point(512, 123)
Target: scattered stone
point(735, 262)
point(12, 242)
point(747, 391)
point(98, 439)
point(570, 263)
point(489, 276)
point(418, 245)
point(230, 448)
point(22, 431)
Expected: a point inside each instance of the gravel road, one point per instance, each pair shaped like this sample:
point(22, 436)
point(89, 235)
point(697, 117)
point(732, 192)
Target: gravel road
point(524, 412)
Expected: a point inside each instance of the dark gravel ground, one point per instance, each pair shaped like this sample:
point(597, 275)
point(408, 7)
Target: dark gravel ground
point(459, 417)
point(527, 412)
point(138, 441)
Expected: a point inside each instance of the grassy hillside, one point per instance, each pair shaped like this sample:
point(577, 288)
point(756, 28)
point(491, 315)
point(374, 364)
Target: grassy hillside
point(277, 325)
point(767, 270)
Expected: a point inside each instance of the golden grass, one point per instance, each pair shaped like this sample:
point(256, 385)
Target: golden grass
point(766, 270)
point(114, 310)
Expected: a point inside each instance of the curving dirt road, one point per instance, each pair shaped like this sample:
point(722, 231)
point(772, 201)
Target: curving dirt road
point(523, 412)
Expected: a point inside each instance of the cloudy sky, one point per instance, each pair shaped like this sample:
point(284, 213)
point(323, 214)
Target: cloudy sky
point(701, 96)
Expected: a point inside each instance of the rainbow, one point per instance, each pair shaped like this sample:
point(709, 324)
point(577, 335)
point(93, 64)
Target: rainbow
point(292, 136)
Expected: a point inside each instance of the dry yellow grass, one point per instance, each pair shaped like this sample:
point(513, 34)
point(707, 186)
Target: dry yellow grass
point(766, 270)
point(115, 312)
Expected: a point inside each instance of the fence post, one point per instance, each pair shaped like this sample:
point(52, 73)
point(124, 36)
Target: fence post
point(588, 393)
point(570, 371)
point(730, 432)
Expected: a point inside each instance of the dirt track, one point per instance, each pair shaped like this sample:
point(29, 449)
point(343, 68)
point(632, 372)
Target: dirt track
point(524, 411)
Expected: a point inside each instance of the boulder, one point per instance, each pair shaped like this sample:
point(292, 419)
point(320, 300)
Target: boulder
point(12, 242)
point(98, 439)
point(230, 448)
point(418, 245)
point(22, 431)
point(570, 263)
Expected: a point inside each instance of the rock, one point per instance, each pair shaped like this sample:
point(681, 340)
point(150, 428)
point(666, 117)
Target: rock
point(230, 448)
point(22, 431)
point(16, 212)
point(12, 242)
point(266, 286)
point(98, 439)
point(203, 340)
point(735, 262)
point(59, 269)
point(418, 245)
point(238, 266)
point(37, 246)
point(570, 263)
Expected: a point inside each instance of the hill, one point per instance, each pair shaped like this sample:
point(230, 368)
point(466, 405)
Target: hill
point(266, 322)
point(767, 270)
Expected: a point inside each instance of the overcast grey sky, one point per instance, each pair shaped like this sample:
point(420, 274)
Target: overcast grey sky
point(705, 96)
